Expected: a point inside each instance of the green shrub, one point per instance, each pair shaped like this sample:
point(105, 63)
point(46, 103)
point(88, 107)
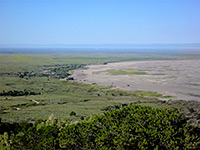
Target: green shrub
point(133, 127)
point(191, 110)
point(44, 138)
point(14, 127)
point(72, 113)
point(18, 93)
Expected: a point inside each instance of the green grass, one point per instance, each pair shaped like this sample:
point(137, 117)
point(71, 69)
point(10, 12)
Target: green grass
point(126, 72)
point(62, 97)
point(19, 62)
point(151, 94)
point(58, 98)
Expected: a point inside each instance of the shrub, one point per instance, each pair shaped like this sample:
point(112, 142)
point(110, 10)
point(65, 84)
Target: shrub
point(191, 110)
point(72, 113)
point(133, 127)
point(18, 93)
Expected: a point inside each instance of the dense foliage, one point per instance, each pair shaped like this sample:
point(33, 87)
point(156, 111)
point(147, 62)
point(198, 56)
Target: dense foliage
point(133, 127)
point(52, 71)
point(18, 93)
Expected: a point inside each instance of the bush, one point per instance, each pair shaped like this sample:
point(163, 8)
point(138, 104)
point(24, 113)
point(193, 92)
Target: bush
point(44, 138)
point(191, 110)
point(14, 127)
point(18, 93)
point(133, 127)
point(72, 113)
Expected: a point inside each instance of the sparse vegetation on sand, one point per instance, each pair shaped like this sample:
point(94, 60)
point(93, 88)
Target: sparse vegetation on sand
point(123, 72)
point(126, 72)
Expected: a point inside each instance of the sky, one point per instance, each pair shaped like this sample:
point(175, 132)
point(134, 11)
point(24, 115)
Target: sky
point(99, 21)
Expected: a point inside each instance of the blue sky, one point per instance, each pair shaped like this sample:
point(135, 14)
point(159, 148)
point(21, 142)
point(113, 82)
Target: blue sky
point(99, 21)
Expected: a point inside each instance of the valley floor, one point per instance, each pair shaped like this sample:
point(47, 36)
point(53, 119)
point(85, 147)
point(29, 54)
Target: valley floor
point(178, 78)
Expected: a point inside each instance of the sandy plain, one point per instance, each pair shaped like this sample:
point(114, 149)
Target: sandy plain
point(177, 78)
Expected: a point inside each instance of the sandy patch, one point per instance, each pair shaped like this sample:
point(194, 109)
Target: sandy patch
point(179, 78)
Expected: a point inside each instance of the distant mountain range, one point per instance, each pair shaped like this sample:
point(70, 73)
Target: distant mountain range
point(190, 45)
point(128, 48)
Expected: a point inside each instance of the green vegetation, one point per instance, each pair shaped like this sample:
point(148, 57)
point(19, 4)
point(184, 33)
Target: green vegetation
point(72, 113)
point(19, 62)
point(51, 71)
point(36, 74)
point(150, 94)
point(123, 72)
point(18, 93)
point(133, 127)
point(60, 97)
point(31, 91)
point(126, 72)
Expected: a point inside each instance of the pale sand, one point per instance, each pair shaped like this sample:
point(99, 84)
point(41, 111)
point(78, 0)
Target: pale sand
point(179, 78)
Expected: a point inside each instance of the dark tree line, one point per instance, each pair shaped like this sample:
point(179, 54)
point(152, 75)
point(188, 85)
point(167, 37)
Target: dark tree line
point(18, 93)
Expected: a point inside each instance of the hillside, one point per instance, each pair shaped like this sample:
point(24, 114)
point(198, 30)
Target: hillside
point(133, 127)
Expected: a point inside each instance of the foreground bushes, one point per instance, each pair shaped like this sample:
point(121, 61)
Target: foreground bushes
point(133, 127)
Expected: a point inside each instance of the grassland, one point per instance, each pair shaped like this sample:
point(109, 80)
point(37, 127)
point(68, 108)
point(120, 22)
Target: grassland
point(13, 63)
point(126, 72)
point(122, 72)
point(61, 97)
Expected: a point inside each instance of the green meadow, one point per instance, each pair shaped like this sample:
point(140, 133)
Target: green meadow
point(41, 74)
point(126, 72)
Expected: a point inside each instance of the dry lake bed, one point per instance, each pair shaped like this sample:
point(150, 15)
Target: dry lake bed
point(178, 78)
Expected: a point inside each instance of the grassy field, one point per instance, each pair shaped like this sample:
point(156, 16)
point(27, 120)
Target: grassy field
point(61, 97)
point(126, 72)
point(123, 72)
point(13, 63)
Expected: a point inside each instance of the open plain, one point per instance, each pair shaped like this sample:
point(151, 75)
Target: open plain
point(178, 78)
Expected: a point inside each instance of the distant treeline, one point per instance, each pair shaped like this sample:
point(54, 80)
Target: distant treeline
point(52, 71)
point(18, 93)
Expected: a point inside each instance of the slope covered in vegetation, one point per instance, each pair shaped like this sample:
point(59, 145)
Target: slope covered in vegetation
point(133, 127)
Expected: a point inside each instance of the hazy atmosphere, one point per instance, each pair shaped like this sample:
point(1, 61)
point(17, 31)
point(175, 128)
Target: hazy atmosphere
point(100, 74)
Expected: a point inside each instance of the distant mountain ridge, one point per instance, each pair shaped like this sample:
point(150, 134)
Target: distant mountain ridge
point(193, 48)
point(187, 45)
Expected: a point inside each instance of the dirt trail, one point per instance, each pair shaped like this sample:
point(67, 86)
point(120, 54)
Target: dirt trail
point(179, 78)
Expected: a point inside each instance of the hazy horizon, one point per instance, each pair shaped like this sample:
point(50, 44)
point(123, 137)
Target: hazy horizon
point(105, 48)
